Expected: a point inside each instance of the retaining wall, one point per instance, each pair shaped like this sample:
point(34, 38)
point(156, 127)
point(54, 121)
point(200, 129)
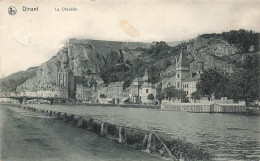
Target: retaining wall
point(149, 141)
point(205, 108)
point(126, 105)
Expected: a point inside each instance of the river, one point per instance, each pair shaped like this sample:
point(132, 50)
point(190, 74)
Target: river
point(226, 136)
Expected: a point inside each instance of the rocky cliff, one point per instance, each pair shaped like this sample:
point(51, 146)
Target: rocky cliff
point(85, 56)
point(225, 52)
point(122, 61)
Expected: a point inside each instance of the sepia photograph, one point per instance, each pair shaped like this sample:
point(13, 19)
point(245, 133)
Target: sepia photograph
point(129, 80)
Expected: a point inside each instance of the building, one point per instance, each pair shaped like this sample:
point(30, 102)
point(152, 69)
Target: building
point(65, 79)
point(86, 88)
point(102, 94)
point(182, 69)
point(140, 88)
point(145, 90)
point(187, 75)
point(84, 93)
point(167, 82)
point(31, 93)
point(190, 81)
point(115, 91)
point(134, 94)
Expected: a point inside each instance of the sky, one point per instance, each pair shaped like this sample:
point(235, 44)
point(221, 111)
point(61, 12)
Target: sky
point(30, 38)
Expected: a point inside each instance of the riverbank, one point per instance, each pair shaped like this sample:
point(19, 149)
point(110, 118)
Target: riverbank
point(125, 105)
point(149, 141)
point(28, 136)
point(149, 106)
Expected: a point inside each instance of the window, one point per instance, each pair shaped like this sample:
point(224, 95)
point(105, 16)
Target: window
point(178, 75)
point(187, 85)
point(146, 90)
point(178, 84)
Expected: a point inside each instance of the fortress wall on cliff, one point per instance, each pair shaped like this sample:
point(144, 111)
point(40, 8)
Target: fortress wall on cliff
point(114, 45)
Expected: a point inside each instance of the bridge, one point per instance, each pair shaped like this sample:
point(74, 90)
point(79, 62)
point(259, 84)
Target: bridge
point(23, 99)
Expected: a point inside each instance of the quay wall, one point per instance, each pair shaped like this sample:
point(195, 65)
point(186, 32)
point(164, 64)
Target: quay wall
point(116, 105)
point(205, 108)
point(126, 105)
point(155, 143)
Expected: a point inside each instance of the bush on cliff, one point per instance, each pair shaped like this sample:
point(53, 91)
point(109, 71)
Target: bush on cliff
point(242, 38)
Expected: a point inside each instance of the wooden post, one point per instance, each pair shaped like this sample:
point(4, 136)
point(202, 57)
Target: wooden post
point(122, 135)
point(90, 124)
point(103, 130)
point(151, 145)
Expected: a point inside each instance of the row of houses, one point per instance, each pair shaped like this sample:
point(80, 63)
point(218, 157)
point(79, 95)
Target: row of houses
point(118, 93)
point(92, 89)
point(40, 93)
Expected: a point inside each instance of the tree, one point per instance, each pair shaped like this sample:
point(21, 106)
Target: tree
point(211, 82)
point(150, 96)
point(195, 95)
point(173, 93)
point(181, 94)
point(244, 83)
point(170, 92)
point(160, 96)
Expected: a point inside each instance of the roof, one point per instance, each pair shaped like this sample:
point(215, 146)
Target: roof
point(146, 85)
point(78, 79)
point(85, 81)
point(183, 60)
point(191, 77)
point(126, 90)
point(138, 79)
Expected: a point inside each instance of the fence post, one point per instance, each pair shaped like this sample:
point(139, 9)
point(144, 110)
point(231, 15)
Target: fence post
point(103, 130)
point(122, 135)
point(151, 144)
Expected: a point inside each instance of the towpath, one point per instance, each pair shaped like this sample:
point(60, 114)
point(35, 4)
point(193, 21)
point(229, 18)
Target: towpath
point(27, 136)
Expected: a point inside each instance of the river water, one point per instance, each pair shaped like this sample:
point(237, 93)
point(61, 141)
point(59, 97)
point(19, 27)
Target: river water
point(226, 136)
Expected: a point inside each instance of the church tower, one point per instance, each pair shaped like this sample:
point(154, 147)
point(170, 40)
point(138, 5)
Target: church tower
point(200, 67)
point(65, 78)
point(145, 77)
point(182, 68)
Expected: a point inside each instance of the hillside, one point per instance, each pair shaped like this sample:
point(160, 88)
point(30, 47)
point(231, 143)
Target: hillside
point(123, 61)
point(225, 51)
point(84, 56)
point(10, 82)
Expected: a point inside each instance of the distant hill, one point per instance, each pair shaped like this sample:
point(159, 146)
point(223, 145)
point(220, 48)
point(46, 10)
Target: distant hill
point(10, 82)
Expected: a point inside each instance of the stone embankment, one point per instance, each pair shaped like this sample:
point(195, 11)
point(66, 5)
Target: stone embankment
point(138, 139)
point(126, 105)
point(205, 108)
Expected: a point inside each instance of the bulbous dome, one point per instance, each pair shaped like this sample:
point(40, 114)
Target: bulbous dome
point(65, 58)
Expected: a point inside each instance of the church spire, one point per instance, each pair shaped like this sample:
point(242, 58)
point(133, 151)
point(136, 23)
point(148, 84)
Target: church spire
point(145, 77)
point(182, 62)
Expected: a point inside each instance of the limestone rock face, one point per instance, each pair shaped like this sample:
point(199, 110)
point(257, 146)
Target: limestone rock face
point(83, 59)
point(213, 52)
point(45, 77)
